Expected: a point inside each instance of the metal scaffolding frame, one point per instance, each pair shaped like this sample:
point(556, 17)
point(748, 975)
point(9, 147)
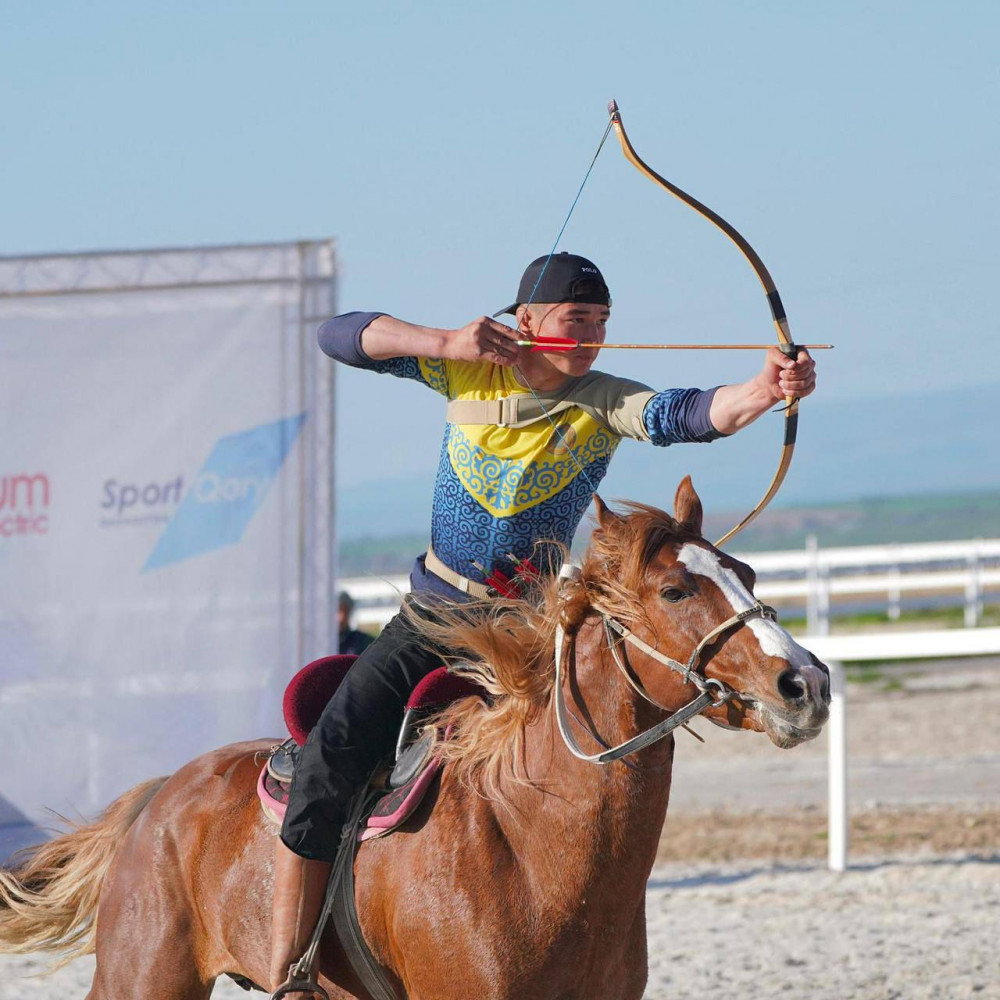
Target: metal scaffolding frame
point(308, 266)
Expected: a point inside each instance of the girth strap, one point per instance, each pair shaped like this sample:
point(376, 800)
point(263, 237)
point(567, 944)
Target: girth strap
point(345, 915)
point(340, 904)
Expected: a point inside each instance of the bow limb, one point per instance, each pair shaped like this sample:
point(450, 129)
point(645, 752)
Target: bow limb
point(785, 343)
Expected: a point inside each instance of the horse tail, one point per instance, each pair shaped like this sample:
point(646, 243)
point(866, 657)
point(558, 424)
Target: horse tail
point(49, 901)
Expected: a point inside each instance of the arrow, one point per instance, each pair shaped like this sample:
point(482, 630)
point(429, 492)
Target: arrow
point(547, 344)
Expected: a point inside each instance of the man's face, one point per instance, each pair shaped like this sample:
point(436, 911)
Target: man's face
point(581, 321)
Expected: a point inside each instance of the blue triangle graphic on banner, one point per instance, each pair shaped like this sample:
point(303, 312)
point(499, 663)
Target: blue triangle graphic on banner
point(227, 492)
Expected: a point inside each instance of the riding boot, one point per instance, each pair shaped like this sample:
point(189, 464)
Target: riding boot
point(299, 891)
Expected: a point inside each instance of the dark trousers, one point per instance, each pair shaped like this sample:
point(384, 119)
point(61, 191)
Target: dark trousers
point(357, 730)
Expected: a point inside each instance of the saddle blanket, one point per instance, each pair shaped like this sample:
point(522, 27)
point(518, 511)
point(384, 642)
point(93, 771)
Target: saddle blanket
point(415, 768)
point(390, 812)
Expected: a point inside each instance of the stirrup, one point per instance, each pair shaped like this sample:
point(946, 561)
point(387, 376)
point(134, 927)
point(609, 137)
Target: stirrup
point(298, 984)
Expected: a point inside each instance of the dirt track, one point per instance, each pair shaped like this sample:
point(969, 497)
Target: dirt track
point(742, 904)
point(897, 929)
point(923, 776)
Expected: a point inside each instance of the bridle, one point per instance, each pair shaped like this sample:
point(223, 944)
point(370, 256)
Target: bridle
point(713, 693)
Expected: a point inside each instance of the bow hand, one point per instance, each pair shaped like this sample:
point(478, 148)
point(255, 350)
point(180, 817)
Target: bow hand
point(789, 376)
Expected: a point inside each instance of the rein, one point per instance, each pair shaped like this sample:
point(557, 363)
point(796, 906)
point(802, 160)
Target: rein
point(713, 693)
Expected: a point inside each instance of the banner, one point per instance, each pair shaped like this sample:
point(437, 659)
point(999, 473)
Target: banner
point(166, 549)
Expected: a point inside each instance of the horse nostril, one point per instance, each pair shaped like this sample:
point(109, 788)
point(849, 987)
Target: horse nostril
point(824, 680)
point(792, 686)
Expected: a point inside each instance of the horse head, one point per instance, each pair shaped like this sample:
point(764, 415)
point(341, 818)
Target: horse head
point(670, 599)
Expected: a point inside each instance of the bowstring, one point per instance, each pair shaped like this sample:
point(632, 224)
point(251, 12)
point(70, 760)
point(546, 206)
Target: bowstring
point(531, 298)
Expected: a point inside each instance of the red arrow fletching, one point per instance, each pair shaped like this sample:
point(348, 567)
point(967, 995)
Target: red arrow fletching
point(551, 344)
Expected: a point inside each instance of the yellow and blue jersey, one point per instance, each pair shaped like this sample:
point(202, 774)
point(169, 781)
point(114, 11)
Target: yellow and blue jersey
point(501, 490)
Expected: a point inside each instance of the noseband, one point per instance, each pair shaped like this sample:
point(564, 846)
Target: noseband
point(713, 693)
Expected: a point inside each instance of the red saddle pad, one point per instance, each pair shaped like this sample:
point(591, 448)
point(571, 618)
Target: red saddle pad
point(314, 685)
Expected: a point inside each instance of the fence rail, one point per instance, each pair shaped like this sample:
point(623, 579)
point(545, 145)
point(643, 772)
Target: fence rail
point(813, 578)
point(835, 650)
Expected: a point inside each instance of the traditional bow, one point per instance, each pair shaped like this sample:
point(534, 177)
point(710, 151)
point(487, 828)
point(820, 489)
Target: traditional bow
point(785, 343)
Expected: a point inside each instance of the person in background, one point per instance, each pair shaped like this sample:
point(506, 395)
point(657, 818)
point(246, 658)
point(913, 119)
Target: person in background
point(349, 640)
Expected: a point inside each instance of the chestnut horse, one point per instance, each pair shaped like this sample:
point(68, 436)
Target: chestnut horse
point(524, 874)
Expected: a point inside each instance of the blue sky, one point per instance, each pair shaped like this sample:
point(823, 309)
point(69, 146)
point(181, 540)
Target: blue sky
point(854, 144)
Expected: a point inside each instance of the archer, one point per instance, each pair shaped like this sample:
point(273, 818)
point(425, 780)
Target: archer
point(529, 437)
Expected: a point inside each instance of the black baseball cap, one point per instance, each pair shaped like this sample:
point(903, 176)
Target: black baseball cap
point(561, 277)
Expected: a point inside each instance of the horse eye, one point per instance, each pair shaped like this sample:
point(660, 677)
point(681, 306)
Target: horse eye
point(673, 595)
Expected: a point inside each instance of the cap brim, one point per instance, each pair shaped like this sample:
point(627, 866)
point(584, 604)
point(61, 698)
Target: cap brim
point(512, 309)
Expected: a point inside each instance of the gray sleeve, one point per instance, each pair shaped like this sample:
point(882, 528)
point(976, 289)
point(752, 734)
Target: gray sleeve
point(680, 415)
point(340, 337)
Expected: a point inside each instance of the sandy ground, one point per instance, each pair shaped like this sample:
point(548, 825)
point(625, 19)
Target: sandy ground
point(902, 929)
point(741, 903)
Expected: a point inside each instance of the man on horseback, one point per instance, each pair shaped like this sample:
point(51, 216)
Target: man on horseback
point(529, 437)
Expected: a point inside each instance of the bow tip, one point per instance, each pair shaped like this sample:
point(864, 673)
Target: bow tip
point(612, 107)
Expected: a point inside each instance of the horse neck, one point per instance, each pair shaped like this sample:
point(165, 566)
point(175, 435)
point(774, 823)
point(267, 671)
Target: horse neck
point(599, 825)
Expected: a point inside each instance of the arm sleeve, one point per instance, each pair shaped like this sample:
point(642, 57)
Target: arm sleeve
point(680, 415)
point(340, 338)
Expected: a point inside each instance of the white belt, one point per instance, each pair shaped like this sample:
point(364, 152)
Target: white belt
point(459, 582)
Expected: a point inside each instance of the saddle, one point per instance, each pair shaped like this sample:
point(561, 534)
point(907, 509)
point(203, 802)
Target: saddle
point(382, 807)
point(401, 787)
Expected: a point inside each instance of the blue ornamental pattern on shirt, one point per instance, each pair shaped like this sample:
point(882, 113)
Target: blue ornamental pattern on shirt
point(508, 485)
point(435, 374)
point(463, 532)
point(667, 418)
point(430, 371)
point(406, 367)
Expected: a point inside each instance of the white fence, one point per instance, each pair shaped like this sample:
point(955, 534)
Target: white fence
point(835, 650)
point(813, 577)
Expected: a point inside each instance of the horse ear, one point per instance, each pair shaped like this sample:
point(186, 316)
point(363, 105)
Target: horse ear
point(687, 507)
point(606, 518)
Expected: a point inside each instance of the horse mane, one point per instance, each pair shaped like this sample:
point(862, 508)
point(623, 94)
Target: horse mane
point(507, 644)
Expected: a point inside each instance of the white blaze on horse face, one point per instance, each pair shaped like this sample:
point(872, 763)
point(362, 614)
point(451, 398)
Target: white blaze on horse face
point(773, 639)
